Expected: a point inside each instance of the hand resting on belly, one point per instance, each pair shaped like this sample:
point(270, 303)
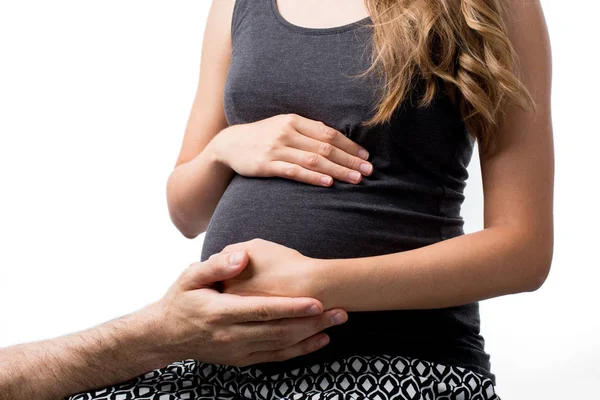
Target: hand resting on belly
point(293, 147)
point(272, 270)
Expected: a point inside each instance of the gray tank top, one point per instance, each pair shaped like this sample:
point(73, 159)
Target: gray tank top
point(412, 199)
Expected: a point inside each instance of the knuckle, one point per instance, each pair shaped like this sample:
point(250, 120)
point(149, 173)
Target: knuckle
point(282, 135)
point(283, 343)
point(271, 145)
point(290, 171)
point(328, 133)
point(218, 313)
point(224, 337)
point(225, 315)
point(312, 160)
point(186, 272)
point(262, 313)
point(189, 270)
point(284, 337)
point(183, 280)
point(214, 318)
point(262, 164)
point(325, 149)
point(289, 119)
point(353, 163)
point(278, 355)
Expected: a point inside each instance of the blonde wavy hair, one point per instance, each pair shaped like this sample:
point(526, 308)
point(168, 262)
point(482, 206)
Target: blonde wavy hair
point(463, 43)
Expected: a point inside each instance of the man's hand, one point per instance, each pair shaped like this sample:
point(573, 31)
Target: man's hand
point(199, 322)
point(192, 320)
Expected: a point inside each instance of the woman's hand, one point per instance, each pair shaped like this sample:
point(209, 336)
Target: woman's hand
point(194, 320)
point(272, 270)
point(291, 146)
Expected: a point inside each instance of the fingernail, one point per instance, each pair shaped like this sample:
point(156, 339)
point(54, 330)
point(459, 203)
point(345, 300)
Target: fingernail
point(362, 153)
point(313, 310)
point(337, 318)
point(236, 258)
point(354, 176)
point(325, 180)
point(365, 168)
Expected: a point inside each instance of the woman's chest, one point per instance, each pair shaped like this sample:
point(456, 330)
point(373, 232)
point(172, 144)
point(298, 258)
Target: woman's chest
point(316, 77)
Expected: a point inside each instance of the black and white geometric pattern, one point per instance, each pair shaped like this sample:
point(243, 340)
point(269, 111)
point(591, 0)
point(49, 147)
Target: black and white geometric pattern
point(379, 377)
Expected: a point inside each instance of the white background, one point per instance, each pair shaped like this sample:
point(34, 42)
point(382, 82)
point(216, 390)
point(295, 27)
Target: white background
point(94, 97)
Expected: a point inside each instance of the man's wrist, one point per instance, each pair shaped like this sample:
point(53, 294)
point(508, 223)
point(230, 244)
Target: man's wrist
point(149, 336)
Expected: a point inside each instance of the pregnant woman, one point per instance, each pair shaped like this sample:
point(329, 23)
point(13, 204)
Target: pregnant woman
point(329, 142)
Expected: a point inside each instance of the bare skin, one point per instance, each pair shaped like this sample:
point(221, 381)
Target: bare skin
point(191, 321)
point(322, 14)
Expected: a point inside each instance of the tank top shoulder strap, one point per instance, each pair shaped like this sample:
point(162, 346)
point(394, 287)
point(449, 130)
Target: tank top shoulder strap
point(250, 12)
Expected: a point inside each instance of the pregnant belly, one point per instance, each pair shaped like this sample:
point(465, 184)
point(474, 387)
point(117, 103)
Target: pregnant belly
point(376, 216)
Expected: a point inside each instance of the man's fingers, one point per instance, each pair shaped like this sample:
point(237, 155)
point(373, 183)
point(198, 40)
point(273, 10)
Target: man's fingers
point(266, 308)
point(306, 346)
point(278, 334)
point(218, 267)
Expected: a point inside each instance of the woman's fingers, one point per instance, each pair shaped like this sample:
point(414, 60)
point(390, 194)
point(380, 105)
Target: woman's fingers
point(323, 133)
point(317, 147)
point(298, 173)
point(330, 152)
point(321, 164)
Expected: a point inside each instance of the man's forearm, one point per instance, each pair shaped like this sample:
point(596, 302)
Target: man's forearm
point(110, 353)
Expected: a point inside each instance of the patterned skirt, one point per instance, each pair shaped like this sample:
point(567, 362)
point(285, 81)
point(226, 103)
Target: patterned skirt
point(378, 377)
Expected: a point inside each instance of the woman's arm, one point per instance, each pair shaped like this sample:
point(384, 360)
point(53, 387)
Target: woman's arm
point(198, 181)
point(513, 252)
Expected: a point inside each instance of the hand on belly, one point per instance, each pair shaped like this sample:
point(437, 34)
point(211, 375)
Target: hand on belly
point(272, 270)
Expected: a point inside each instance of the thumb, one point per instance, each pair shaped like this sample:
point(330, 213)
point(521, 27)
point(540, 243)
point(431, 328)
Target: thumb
point(218, 267)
